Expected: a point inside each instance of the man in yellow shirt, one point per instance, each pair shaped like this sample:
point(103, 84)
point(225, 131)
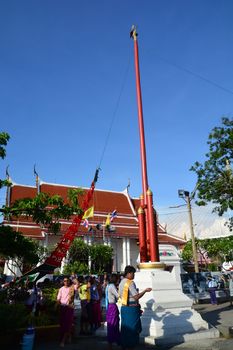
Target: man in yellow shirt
point(130, 309)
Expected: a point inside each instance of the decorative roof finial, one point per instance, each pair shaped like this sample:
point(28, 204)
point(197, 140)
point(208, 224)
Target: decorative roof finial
point(8, 178)
point(37, 179)
point(128, 186)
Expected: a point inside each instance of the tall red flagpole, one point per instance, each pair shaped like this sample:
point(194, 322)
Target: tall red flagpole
point(151, 233)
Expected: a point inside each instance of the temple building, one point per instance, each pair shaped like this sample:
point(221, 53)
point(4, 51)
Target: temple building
point(123, 232)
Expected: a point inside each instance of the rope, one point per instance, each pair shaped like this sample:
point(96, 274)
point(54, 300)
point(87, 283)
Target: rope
point(115, 112)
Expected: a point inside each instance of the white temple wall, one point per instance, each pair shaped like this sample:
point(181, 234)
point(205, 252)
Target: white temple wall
point(134, 251)
point(125, 251)
point(117, 254)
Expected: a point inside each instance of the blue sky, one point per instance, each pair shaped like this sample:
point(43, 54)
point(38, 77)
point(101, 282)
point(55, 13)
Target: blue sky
point(67, 73)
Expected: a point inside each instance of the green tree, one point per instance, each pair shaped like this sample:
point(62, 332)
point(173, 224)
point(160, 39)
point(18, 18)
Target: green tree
point(187, 253)
point(214, 176)
point(46, 210)
point(4, 138)
point(217, 249)
point(14, 246)
point(43, 209)
point(80, 252)
point(76, 267)
point(78, 258)
point(101, 257)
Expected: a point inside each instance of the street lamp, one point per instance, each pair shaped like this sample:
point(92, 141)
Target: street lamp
point(185, 195)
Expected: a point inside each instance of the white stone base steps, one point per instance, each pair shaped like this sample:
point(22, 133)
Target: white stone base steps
point(168, 316)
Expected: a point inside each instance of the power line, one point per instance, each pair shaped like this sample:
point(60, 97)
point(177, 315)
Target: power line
point(178, 212)
point(203, 221)
point(196, 75)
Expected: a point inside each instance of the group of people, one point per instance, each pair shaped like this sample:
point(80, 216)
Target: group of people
point(199, 284)
point(25, 292)
point(107, 298)
point(226, 285)
point(89, 291)
point(119, 294)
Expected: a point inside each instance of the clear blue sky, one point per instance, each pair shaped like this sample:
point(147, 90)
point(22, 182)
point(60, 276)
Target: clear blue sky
point(62, 68)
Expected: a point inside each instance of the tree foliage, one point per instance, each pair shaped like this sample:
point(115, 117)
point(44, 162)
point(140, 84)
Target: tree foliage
point(14, 246)
point(217, 249)
point(76, 267)
point(101, 257)
point(46, 210)
point(80, 252)
point(4, 138)
point(214, 176)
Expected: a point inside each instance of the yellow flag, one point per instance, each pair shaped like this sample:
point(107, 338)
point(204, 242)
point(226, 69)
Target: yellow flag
point(89, 213)
point(108, 221)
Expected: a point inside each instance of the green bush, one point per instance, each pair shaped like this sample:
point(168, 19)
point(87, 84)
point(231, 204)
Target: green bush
point(50, 305)
point(77, 267)
point(16, 316)
point(13, 317)
point(212, 267)
point(44, 320)
point(3, 296)
point(50, 295)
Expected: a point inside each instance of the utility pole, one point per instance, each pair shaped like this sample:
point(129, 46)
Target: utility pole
point(185, 195)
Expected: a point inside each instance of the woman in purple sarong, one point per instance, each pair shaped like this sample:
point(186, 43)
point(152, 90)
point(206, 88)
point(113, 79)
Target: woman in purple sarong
point(112, 316)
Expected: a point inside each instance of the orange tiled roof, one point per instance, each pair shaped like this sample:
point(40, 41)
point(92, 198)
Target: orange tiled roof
point(126, 223)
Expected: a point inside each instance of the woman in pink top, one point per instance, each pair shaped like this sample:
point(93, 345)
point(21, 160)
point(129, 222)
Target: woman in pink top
point(65, 299)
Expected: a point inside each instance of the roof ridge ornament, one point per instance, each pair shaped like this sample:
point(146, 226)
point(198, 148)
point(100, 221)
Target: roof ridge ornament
point(37, 179)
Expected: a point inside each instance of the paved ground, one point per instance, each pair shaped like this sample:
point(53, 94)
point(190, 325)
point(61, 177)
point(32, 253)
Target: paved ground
point(220, 316)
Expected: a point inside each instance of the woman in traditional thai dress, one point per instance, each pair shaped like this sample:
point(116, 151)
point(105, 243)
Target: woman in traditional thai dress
point(130, 309)
point(65, 299)
point(112, 315)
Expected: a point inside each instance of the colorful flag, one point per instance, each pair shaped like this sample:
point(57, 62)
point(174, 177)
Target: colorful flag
point(108, 221)
point(113, 215)
point(89, 213)
point(85, 223)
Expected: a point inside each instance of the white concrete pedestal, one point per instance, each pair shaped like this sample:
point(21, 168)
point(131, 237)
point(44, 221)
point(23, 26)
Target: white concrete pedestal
point(168, 316)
